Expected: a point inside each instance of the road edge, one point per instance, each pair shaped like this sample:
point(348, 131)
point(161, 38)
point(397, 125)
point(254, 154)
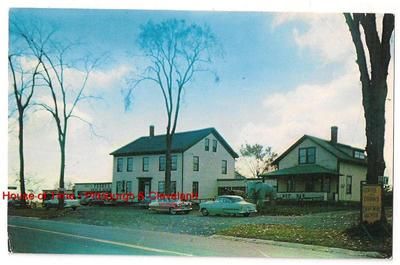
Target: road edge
point(369, 254)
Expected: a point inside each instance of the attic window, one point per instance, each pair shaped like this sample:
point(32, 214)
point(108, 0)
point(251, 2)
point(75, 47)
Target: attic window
point(359, 155)
point(307, 155)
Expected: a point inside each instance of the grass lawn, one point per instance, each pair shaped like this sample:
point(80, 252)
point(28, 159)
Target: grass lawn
point(299, 209)
point(350, 239)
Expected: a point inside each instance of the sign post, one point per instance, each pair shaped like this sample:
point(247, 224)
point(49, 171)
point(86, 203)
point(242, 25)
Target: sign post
point(371, 203)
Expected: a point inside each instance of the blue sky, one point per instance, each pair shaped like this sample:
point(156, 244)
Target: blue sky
point(282, 75)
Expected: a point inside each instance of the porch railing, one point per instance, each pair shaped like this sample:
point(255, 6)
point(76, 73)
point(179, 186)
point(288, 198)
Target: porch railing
point(311, 196)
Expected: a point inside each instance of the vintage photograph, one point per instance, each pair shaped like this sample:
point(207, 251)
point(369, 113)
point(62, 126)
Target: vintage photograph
point(200, 133)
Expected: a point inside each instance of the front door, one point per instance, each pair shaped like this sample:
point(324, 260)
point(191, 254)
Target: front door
point(144, 187)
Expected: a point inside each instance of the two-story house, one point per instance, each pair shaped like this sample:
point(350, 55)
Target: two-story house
point(314, 168)
point(199, 158)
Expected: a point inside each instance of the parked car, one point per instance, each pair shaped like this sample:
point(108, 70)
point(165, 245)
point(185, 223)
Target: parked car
point(229, 205)
point(15, 204)
point(68, 203)
point(90, 201)
point(171, 206)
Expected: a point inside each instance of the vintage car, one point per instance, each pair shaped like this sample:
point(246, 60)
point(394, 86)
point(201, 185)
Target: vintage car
point(171, 206)
point(91, 201)
point(229, 205)
point(68, 203)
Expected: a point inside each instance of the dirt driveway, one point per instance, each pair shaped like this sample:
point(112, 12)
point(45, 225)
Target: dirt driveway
point(196, 224)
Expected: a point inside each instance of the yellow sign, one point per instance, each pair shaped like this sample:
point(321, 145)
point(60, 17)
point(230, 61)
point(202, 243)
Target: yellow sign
point(371, 203)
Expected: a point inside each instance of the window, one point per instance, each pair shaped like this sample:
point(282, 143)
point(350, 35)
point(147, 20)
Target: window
point(174, 162)
point(224, 167)
point(326, 184)
point(309, 184)
point(161, 163)
point(129, 164)
point(359, 155)
point(161, 186)
point(145, 164)
point(214, 146)
point(120, 164)
point(349, 180)
point(290, 185)
point(307, 155)
point(195, 187)
point(119, 186)
point(207, 144)
point(128, 186)
point(173, 186)
point(195, 163)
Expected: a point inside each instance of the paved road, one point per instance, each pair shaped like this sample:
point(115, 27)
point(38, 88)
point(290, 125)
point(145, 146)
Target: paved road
point(29, 235)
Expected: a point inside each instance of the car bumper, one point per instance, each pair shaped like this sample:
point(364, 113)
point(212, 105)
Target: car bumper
point(182, 209)
point(247, 211)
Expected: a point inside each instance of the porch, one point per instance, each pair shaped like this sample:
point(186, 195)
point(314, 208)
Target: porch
point(305, 182)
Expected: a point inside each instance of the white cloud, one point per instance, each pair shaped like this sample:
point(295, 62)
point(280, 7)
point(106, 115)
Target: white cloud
point(327, 34)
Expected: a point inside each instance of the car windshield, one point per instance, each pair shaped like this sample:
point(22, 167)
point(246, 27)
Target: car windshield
point(230, 199)
point(236, 199)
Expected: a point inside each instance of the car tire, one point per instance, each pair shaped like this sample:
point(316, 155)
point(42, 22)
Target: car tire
point(204, 212)
point(246, 214)
point(171, 211)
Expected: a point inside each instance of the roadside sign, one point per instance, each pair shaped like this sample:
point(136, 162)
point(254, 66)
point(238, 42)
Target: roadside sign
point(371, 203)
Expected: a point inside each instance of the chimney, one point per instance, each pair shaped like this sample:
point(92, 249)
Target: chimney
point(151, 130)
point(334, 134)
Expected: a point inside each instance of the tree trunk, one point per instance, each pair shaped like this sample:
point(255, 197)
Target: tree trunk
point(62, 172)
point(21, 156)
point(168, 164)
point(375, 130)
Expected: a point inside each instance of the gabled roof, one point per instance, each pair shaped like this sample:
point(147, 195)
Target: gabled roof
point(308, 169)
point(336, 149)
point(181, 142)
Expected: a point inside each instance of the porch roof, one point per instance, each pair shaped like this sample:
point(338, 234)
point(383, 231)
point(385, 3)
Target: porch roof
point(301, 170)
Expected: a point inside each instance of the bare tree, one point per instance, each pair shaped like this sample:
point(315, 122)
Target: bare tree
point(374, 82)
point(65, 93)
point(258, 158)
point(23, 82)
point(175, 52)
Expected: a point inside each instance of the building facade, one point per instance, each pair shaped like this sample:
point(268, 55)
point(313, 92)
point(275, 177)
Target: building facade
point(317, 169)
point(99, 187)
point(199, 158)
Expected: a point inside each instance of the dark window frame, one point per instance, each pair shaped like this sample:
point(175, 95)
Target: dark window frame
point(163, 185)
point(292, 186)
point(127, 188)
point(207, 144)
point(214, 146)
point(224, 167)
point(196, 163)
point(120, 164)
point(129, 169)
point(326, 182)
point(358, 154)
point(349, 186)
point(147, 163)
point(174, 163)
point(160, 163)
point(173, 186)
point(195, 187)
point(307, 155)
